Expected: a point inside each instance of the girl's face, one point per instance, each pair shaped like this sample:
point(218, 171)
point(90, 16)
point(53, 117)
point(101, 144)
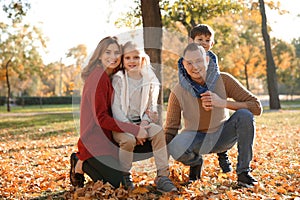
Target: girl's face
point(132, 60)
point(111, 57)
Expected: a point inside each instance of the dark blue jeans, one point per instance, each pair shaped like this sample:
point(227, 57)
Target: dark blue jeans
point(189, 146)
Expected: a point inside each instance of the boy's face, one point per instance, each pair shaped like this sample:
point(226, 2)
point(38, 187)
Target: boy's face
point(206, 41)
point(194, 64)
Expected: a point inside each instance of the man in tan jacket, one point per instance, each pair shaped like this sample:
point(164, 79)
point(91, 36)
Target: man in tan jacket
point(203, 105)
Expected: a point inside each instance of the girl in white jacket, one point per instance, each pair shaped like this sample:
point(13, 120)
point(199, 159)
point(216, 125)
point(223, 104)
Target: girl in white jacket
point(136, 92)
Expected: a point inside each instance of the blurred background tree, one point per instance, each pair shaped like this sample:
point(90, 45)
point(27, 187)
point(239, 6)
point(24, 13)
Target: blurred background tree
point(239, 42)
point(21, 61)
point(239, 45)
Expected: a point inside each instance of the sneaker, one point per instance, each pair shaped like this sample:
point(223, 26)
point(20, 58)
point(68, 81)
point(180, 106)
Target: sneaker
point(164, 184)
point(127, 182)
point(77, 180)
point(224, 162)
point(245, 179)
point(195, 172)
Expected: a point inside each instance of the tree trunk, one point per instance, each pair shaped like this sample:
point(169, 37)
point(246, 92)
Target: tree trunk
point(246, 76)
point(271, 71)
point(8, 85)
point(152, 30)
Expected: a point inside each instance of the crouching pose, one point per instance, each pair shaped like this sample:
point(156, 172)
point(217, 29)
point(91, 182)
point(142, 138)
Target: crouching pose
point(203, 104)
point(135, 101)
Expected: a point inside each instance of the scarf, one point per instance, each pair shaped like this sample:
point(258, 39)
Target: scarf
point(213, 71)
point(194, 88)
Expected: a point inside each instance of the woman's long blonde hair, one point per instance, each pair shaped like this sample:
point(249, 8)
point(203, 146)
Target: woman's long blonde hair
point(94, 60)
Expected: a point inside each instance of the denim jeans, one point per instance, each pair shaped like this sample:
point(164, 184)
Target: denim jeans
point(189, 146)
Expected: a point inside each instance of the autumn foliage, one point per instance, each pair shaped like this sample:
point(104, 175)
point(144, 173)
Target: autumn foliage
point(34, 164)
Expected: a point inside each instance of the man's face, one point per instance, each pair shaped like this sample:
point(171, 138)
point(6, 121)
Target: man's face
point(205, 41)
point(194, 64)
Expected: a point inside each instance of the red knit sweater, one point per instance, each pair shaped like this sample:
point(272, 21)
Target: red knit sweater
point(96, 122)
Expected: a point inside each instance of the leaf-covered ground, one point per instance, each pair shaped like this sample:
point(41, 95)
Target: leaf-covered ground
point(34, 164)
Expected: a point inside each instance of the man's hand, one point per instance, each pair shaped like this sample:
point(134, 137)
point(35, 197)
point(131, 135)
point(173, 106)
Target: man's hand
point(210, 100)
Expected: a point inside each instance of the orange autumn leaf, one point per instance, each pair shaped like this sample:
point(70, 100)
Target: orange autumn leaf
point(281, 190)
point(140, 190)
point(291, 189)
point(230, 195)
point(222, 176)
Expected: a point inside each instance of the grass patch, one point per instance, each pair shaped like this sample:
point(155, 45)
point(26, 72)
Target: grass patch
point(34, 120)
point(36, 126)
point(286, 105)
point(37, 108)
point(290, 105)
point(279, 118)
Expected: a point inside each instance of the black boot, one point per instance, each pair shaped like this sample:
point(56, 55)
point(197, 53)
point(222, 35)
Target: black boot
point(195, 172)
point(245, 179)
point(224, 162)
point(127, 181)
point(77, 180)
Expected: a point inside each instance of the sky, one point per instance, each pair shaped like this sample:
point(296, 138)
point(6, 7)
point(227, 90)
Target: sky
point(68, 23)
point(285, 26)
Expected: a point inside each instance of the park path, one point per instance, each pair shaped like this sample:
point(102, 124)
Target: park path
point(264, 99)
point(32, 113)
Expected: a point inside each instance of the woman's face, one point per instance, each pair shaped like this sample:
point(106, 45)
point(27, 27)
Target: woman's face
point(111, 57)
point(132, 60)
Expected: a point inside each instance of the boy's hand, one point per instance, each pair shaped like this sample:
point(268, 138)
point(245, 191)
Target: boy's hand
point(153, 115)
point(144, 123)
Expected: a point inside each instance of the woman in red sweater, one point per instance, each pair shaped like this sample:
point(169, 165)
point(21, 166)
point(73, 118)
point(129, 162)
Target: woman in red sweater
point(97, 151)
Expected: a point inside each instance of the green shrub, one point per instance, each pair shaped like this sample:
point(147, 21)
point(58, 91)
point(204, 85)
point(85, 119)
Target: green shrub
point(23, 101)
point(2, 100)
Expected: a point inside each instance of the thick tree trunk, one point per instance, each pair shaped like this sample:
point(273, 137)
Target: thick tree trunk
point(8, 85)
point(271, 71)
point(152, 29)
